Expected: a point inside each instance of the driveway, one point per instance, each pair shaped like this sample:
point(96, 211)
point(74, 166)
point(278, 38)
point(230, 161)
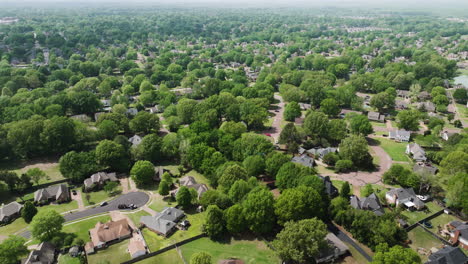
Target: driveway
point(275, 129)
point(345, 238)
point(137, 198)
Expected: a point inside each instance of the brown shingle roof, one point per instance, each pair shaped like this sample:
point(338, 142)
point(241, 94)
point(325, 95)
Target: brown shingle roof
point(103, 233)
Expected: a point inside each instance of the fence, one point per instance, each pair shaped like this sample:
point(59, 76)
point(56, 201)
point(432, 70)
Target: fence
point(436, 236)
point(160, 251)
point(434, 215)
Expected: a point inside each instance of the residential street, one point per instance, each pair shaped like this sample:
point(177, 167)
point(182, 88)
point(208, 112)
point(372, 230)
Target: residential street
point(275, 129)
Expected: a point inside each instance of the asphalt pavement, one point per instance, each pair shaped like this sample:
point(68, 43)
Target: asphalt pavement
point(345, 238)
point(137, 198)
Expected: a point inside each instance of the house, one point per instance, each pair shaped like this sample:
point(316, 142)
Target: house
point(305, 106)
point(416, 152)
point(155, 109)
point(136, 246)
point(105, 234)
point(426, 106)
point(43, 254)
point(159, 173)
point(74, 251)
point(458, 233)
point(58, 193)
point(321, 152)
point(448, 255)
point(163, 223)
point(135, 140)
point(97, 115)
point(10, 212)
point(304, 160)
point(182, 91)
point(400, 105)
point(446, 135)
point(336, 248)
point(330, 189)
point(370, 203)
point(400, 135)
point(424, 95)
point(344, 112)
point(106, 102)
point(405, 197)
point(132, 112)
point(424, 168)
point(98, 179)
point(375, 116)
point(83, 118)
point(403, 94)
point(190, 182)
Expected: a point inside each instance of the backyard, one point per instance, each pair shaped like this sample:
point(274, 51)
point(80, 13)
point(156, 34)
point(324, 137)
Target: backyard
point(66, 259)
point(169, 257)
point(415, 216)
point(394, 149)
point(422, 239)
point(115, 253)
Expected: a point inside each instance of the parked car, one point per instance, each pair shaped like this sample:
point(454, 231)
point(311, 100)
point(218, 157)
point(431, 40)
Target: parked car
point(424, 198)
point(267, 134)
point(132, 206)
point(103, 204)
point(74, 192)
point(122, 206)
point(427, 224)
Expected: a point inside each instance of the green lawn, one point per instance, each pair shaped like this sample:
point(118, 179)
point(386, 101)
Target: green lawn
point(66, 259)
point(60, 208)
point(169, 257)
point(135, 217)
point(462, 110)
point(115, 253)
point(422, 239)
point(13, 227)
point(394, 149)
point(378, 124)
point(81, 228)
point(416, 216)
point(250, 251)
point(159, 204)
point(442, 220)
point(95, 197)
point(198, 177)
point(156, 242)
point(358, 257)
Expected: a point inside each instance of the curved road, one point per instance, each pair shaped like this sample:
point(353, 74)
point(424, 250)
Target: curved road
point(137, 198)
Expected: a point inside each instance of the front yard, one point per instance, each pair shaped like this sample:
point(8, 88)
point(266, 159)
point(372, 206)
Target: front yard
point(96, 197)
point(135, 217)
point(12, 228)
point(60, 208)
point(115, 253)
point(394, 149)
point(66, 259)
point(81, 227)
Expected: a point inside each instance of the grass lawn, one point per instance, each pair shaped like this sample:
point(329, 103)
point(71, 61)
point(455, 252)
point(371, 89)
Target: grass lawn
point(13, 227)
point(378, 124)
point(135, 217)
point(95, 197)
point(442, 220)
point(324, 170)
point(115, 253)
point(158, 204)
point(394, 149)
point(51, 170)
point(66, 259)
point(60, 208)
point(198, 177)
point(81, 228)
point(168, 257)
point(356, 255)
point(422, 239)
point(462, 110)
point(416, 216)
point(250, 251)
point(156, 242)
point(268, 122)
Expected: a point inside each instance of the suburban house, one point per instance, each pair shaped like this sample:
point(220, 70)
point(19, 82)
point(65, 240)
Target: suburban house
point(304, 160)
point(446, 135)
point(136, 247)
point(448, 255)
point(163, 223)
point(425, 168)
point(458, 233)
point(98, 179)
point(330, 189)
point(336, 248)
point(400, 105)
point(58, 193)
point(155, 109)
point(400, 135)
point(344, 112)
point(403, 94)
point(375, 116)
point(190, 182)
point(97, 115)
point(43, 254)
point(370, 203)
point(426, 106)
point(159, 171)
point(416, 152)
point(405, 197)
point(320, 152)
point(10, 212)
point(304, 106)
point(135, 140)
point(105, 234)
point(132, 112)
point(424, 95)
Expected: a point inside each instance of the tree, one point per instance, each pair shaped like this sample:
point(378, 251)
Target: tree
point(297, 203)
point(254, 165)
point(28, 212)
point(236, 129)
point(455, 162)
point(330, 107)
point(289, 135)
point(382, 102)
point(144, 122)
point(111, 188)
point(142, 172)
point(274, 162)
point(184, 197)
point(316, 124)
point(301, 241)
point(214, 225)
point(46, 225)
point(230, 175)
point(460, 95)
point(395, 254)
point(290, 174)
point(457, 191)
point(235, 222)
point(345, 190)
point(360, 125)
point(164, 188)
point(239, 190)
point(258, 210)
point(150, 148)
point(12, 249)
point(113, 155)
point(343, 166)
point(408, 119)
point(355, 148)
point(84, 102)
point(77, 166)
point(107, 129)
point(201, 258)
point(367, 190)
point(292, 111)
point(36, 175)
point(337, 130)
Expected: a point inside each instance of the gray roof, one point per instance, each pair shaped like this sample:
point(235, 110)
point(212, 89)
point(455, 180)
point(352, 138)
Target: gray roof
point(406, 195)
point(415, 148)
point(375, 116)
point(304, 160)
point(448, 255)
point(132, 111)
point(463, 228)
point(190, 182)
point(163, 222)
point(9, 210)
point(425, 169)
point(330, 189)
point(187, 180)
point(135, 140)
point(100, 177)
point(403, 93)
point(428, 106)
point(54, 191)
point(43, 254)
point(370, 203)
point(320, 152)
point(400, 135)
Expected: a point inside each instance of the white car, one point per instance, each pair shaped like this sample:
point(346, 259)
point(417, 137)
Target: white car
point(423, 198)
